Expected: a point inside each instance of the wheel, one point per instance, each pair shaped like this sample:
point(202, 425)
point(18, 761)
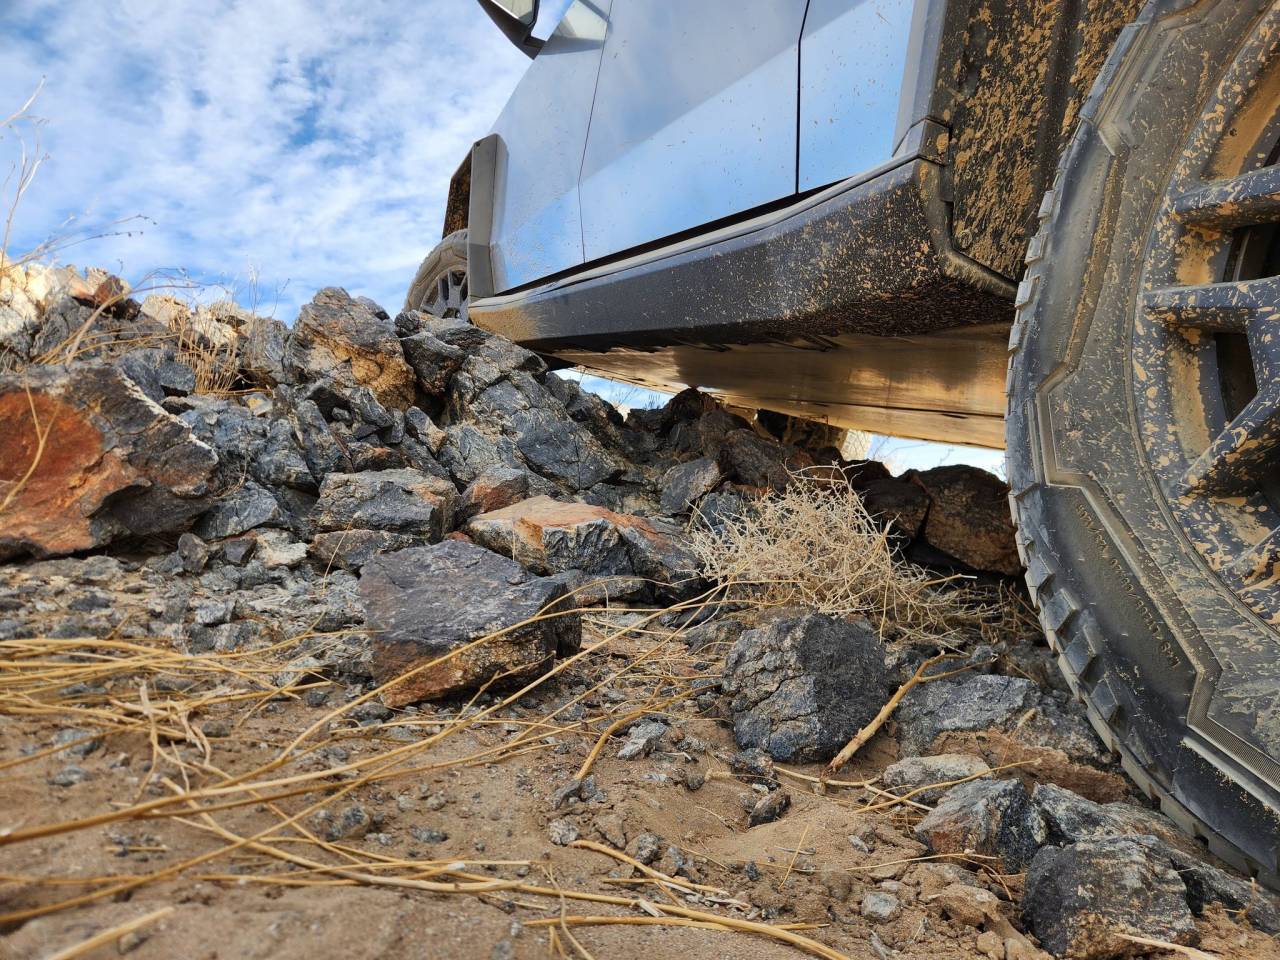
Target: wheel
point(440, 285)
point(1143, 431)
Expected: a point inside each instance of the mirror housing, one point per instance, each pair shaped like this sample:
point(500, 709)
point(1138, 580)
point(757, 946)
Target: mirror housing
point(516, 19)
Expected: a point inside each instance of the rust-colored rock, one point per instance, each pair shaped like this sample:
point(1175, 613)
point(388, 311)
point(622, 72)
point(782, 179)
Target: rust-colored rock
point(114, 463)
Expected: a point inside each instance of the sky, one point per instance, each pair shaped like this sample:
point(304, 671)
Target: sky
point(262, 148)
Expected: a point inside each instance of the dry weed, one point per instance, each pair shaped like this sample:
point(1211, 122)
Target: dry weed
point(815, 546)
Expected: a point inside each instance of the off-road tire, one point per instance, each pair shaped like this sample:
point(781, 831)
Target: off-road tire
point(1125, 598)
point(449, 256)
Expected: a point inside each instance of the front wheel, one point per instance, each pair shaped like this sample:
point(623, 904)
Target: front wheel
point(439, 287)
point(1144, 417)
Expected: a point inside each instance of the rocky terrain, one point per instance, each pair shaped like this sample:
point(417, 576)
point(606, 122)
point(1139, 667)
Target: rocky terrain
point(373, 636)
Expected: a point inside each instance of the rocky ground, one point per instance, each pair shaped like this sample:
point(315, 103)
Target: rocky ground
point(372, 636)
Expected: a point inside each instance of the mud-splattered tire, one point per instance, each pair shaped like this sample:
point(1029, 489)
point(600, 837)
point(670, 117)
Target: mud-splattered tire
point(1178, 667)
point(440, 285)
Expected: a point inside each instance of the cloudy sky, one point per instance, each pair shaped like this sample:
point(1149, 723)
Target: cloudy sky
point(308, 141)
point(270, 147)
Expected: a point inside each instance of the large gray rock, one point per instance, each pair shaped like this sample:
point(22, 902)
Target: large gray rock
point(401, 501)
point(994, 818)
point(351, 342)
point(1078, 900)
point(352, 549)
point(425, 602)
point(803, 684)
point(116, 463)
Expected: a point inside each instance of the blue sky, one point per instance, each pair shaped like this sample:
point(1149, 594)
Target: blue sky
point(268, 147)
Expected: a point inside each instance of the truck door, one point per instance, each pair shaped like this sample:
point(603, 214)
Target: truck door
point(694, 119)
point(537, 229)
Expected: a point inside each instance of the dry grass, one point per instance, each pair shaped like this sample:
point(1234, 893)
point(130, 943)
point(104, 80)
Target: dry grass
point(815, 546)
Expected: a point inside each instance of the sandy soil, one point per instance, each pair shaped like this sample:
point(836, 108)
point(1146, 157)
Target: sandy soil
point(485, 784)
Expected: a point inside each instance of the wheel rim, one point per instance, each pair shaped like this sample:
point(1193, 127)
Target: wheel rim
point(1206, 345)
point(446, 295)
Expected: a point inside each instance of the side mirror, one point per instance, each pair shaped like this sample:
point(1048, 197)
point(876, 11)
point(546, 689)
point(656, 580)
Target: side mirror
point(516, 19)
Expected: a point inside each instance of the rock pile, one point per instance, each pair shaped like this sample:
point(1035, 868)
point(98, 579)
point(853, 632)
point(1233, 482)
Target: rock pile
point(240, 476)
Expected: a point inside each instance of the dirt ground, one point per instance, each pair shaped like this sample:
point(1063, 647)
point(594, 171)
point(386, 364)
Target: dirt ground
point(281, 817)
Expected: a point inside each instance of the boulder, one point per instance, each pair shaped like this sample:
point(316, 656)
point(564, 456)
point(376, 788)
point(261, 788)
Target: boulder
point(549, 536)
point(425, 602)
point(400, 501)
point(802, 684)
point(969, 518)
point(114, 463)
point(353, 343)
point(1079, 900)
point(994, 818)
point(262, 350)
point(686, 483)
point(911, 773)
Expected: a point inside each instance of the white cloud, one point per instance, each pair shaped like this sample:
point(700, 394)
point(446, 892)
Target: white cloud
point(312, 140)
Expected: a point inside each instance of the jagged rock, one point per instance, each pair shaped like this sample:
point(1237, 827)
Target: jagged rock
point(245, 507)
point(467, 452)
point(193, 553)
point(276, 549)
point(719, 633)
point(1074, 819)
point(758, 461)
point(549, 536)
point(422, 428)
point(768, 808)
point(323, 452)
point(880, 907)
point(352, 549)
point(992, 818)
point(969, 518)
point(118, 463)
point(262, 350)
point(433, 361)
point(964, 703)
point(686, 483)
point(493, 489)
point(562, 450)
point(354, 344)
point(897, 503)
point(424, 602)
point(803, 684)
point(402, 501)
point(913, 772)
point(642, 738)
point(1078, 899)
point(158, 372)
